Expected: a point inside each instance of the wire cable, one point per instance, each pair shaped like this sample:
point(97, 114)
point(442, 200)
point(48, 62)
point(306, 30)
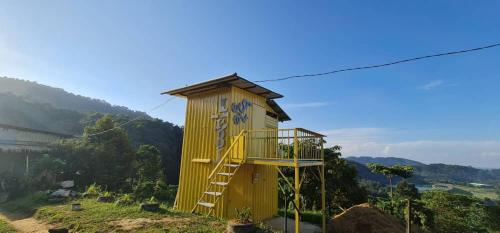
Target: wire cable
point(322, 74)
point(134, 119)
point(380, 65)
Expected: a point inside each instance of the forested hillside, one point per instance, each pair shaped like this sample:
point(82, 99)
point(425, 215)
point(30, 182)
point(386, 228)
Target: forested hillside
point(17, 111)
point(31, 105)
point(388, 161)
point(458, 174)
point(59, 98)
point(427, 173)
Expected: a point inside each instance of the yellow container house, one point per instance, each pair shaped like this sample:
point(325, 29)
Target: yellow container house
point(233, 150)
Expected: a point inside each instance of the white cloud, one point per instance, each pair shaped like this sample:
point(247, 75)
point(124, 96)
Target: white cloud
point(431, 85)
point(356, 134)
point(306, 105)
point(383, 142)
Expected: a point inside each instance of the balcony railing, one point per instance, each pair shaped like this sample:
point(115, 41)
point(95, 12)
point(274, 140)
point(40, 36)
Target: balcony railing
point(283, 144)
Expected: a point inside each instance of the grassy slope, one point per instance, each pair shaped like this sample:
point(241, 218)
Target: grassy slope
point(97, 217)
point(6, 228)
point(107, 217)
point(479, 192)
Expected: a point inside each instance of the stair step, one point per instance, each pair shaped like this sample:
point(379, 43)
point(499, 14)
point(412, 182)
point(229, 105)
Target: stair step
point(206, 204)
point(219, 183)
point(231, 165)
point(225, 174)
point(214, 193)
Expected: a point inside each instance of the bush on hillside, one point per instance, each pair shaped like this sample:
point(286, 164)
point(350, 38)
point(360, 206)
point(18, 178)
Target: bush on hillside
point(125, 200)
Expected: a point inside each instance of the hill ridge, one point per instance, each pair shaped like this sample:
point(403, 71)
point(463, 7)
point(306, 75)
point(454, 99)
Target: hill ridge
point(59, 98)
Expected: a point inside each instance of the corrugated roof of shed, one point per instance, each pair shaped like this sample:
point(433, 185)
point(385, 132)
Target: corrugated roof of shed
point(237, 81)
point(6, 126)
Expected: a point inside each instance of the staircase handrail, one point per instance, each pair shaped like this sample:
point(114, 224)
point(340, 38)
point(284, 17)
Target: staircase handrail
point(227, 153)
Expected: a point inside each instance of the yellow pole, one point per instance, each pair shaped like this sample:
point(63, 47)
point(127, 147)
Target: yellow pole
point(323, 194)
point(323, 198)
point(297, 180)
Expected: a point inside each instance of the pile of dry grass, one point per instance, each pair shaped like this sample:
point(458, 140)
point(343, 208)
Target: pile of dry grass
point(365, 219)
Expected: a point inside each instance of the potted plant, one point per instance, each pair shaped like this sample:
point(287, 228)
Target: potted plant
point(58, 230)
point(105, 197)
point(151, 205)
point(243, 222)
point(92, 191)
point(125, 200)
point(76, 207)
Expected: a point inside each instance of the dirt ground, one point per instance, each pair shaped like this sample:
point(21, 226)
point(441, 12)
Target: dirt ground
point(26, 225)
point(138, 223)
point(366, 219)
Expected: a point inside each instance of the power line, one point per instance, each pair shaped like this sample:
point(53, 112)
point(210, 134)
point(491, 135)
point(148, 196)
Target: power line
point(322, 74)
point(379, 65)
point(134, 119)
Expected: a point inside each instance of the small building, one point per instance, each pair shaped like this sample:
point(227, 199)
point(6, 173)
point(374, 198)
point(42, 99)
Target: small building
point(14, 138)
point(233, 149)
point(479, 185)
point(17, 143)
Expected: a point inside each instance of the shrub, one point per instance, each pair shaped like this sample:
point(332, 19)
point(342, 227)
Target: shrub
point(125, 200)
point(152, 200)
point(164, 192)
point(92, 191)
point(45, 170)
point(144, 190)
point(40, 197)
point(244, 215)
point(107, 194)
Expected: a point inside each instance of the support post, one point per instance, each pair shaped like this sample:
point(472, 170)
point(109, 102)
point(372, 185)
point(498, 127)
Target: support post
point(323, 198)
point(297, 180)
point(323, 189)
point(27, 164)
point(285, 228)
point(408, 220)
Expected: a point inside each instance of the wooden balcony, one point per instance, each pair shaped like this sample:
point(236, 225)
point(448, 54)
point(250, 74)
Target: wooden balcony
point(280, 147)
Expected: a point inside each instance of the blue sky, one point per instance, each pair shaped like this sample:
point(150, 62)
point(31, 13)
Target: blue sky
point(127, 52)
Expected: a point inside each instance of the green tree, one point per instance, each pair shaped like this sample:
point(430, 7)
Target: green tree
point(103, 155)
point(391, 171)
point(45, 171)
point(149, 164)
point(456, 213)
point(406, 190)
point(341, 186)
point(150, 176)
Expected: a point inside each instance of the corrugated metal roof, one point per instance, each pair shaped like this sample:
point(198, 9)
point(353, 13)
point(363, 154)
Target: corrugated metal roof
point(237, 81)
point(5, 126)
point(282, 116)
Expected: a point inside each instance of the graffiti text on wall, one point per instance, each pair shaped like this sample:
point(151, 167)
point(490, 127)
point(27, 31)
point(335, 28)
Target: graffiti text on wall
point(221, 125)
point(239, 110)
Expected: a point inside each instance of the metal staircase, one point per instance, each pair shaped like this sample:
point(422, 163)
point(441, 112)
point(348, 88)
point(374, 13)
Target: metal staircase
point(220, 177)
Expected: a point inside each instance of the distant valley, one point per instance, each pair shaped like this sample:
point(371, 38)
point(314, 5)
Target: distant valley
point(427, 173)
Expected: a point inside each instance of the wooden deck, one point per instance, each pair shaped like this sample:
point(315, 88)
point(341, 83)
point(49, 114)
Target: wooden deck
point(285, 162)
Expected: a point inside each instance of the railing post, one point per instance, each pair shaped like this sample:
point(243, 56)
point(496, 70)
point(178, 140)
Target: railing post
point(245, 148)
point(297, 180)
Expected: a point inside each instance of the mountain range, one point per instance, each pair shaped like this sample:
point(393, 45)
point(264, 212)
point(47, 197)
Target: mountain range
point(427, 173)
point(32, 105)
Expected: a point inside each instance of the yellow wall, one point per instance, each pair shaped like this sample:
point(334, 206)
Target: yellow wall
point(260, 194)
point(199, 144)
